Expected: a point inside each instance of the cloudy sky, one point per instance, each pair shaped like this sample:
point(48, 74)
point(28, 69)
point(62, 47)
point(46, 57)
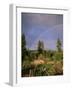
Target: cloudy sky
point(45, 27)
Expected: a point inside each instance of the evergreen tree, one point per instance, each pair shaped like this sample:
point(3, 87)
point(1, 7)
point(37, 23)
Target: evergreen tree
point(40, 47)
point(59, 45)
point(23, 47)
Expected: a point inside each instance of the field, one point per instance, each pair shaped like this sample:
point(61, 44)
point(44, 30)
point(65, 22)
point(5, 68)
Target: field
point(47, 63)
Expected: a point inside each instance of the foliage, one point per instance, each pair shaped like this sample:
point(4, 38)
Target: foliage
point(59, 45)
point(46, 68)
point(43, 69)
point(58, 56)
point(40, 47)
point(23, 45)
point(58, 67)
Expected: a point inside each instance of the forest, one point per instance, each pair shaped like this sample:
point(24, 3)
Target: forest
point(41, 62)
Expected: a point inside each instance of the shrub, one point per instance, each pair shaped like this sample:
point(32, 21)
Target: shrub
point(58, 67)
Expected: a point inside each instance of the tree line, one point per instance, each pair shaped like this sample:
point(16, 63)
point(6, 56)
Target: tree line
point(30, 55)
point(40, 48)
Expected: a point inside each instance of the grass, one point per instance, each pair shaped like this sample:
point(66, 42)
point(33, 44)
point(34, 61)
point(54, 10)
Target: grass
point(42, 68)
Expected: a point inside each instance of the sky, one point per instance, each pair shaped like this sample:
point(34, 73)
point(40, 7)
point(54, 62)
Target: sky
point(44, 27)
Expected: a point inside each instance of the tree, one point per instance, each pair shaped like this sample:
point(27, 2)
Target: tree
point(40, 47)
point(59, 45)
point(23, 47)
point(59, 53)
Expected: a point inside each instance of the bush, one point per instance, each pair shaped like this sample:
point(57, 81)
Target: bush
point(58, 67)
point(58, 56)
point(27, 66)
point(42, 70)
point(39, 70)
